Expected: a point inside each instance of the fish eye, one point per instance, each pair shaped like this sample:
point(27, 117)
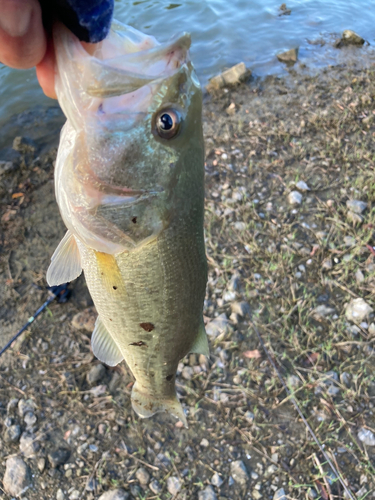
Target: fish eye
point(167, 123)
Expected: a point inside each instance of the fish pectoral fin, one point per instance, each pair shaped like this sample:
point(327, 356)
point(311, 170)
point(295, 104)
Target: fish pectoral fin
point(200, 345)
point(146, 405)
point(65, 262)
point(103, 345)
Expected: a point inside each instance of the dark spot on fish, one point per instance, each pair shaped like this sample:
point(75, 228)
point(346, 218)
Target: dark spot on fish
point(147, 326)
point(114, 287)
point(134, 220)
point(100, 109)
point(169, 377)
point(110, 319)
point(139, 344)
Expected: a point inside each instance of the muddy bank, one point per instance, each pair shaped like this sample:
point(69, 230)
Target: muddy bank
point(285, 159)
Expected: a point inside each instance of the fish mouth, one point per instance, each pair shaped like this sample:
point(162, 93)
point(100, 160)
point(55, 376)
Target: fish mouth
point(120, 75)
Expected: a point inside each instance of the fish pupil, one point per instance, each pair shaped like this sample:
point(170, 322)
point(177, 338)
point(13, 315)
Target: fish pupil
point(166, 121)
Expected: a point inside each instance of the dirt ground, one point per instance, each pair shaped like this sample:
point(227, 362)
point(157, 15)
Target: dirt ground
point(293, 254)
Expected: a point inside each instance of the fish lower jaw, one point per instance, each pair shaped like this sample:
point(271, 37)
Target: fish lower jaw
point(146, 405)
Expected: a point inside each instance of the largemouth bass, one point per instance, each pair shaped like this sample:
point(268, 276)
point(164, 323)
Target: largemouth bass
point(129, 183)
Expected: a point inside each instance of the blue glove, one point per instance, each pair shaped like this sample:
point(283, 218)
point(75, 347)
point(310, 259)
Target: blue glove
point(89, 20)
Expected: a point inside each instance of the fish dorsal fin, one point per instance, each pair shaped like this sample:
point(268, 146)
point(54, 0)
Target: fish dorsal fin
point(103, 345)
point(200, 345)
point(65, 262)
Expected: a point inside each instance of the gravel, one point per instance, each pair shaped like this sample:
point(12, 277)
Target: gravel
point(356, 206)
point(173, 485)
point(96, 374)
point(142, 475)
point(207, 494)
point(17, 478)
point(358, 310)
point(216, 480)
point(367, 437)
point(239, 472)
point(117, 494)
point(295, 198)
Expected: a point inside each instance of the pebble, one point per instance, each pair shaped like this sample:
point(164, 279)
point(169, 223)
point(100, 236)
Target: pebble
point(25, 406)
point(229, 296)
point(41, 464)
point(17, 476)
point(358, 310)
point(117, 494)
point(240, 226)
point(356, 206)
point(30, 419)
point(327, 264)
point(29, 445)
point(354, 218)
point(155, 487)
point(322, 312)
point(367, 437)
point(204, 443)
point(58, 457)
point(96, 374)
point(289, 56)
point(74, 495)
point(12, 405)
point(302, 186)
point(207, 494)
point(345, 378)
point(239, 472)
point(231, 76)
point(12, 434)
point(280, 494)
point(350, 37)
point(60, 495)
point(359, 276)
point(142, 475)
point(240, 308)
point(371, 329)
point(249, 416)
point(187, 372)
point(216, 480)
point(349, 241)
point(173, 485)
point(218, 326)
point(295, 198)
point(293, 381)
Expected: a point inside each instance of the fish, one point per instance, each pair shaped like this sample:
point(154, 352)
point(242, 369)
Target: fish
point(129, 183)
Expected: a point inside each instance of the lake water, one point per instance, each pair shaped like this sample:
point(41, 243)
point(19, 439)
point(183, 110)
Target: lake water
point(225, 32)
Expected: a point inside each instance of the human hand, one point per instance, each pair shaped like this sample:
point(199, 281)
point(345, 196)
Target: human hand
point(24, 42)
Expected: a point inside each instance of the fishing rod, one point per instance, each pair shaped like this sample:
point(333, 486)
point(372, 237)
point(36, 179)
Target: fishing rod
point(60, 292)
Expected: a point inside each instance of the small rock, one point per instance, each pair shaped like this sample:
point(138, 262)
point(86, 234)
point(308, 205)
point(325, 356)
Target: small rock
point(187, 372)
point(17, 477)
point(311, 493)
point(231, 76)
point(327, 264)
point(289, 56)
point(354, 218)
point(295, 198)
point(280, 494)
point(322, 312)
point(12, 434)
point(367, 437)
point(155, 487)
point(117, 494)
point(41, 464)
point(85, 320)
point(293, 381)
point(239, 472)
point(60, 494)
point(349, 37)
point(30, 419)
point(135, 490)
point(207, 494)
point(302, 186)
point(74, 495)
point(240, 226)
point(349, 241)
point(114, 383)
point(358, 310)
point(96, 374)
point(173, 485)
point(359, 277)
point(142, 475)
point(58, 457)
point(229, 296)
point(240, 308)
point(216, 480)
point(12, 405)
point(356, 206)
point(371, 329)
point(284, 11)
point(25, 406)
point(23, 145)
point(29, 445)
point(204, 443)
point(218, 326)
point(249, 416)
point(345, 378)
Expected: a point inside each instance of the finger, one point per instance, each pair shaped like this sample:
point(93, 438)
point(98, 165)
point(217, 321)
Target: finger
point(45, 71)
point(22, 36)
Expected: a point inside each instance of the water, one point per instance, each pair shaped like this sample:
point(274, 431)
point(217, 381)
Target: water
point(223, 33)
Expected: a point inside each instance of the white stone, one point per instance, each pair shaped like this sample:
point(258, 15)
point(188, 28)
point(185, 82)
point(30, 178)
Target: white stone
point(302, 186)
point(358, 310)
point(367, 437)
point(295, 198)
point(356, 206)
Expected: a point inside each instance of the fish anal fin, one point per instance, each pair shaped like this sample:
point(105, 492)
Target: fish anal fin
point(200, 345)
point(65, 262)
point(146, 405)
point(103, 345)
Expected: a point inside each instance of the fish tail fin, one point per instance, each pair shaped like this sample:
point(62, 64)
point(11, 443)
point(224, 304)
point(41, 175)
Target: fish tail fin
point(146, 405)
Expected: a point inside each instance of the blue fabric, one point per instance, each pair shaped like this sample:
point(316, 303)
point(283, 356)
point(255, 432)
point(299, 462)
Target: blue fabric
point(94, 16)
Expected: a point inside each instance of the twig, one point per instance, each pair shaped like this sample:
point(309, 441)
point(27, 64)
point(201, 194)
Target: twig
point(319, 465)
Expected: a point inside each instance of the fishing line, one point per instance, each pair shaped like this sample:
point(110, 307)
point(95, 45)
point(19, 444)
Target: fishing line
point(60, 292)
point(294, 401)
